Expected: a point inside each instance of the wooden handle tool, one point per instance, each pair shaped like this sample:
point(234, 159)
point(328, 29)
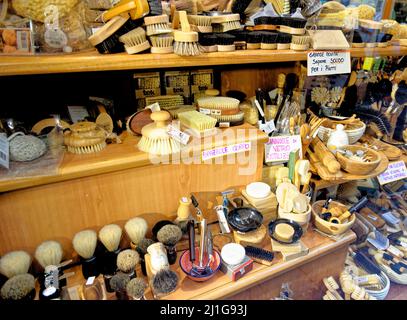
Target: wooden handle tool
point(326, 157)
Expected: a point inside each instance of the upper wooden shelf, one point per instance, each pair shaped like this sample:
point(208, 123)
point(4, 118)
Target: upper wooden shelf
point(92, 61)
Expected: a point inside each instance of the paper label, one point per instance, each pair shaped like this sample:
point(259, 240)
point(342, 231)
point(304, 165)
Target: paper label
point(224, 124)
point(278, 148)
point(223, 151)
point(90, 281)
point(4, 152)
point(178, 135)
point(267, 127)
point(77, 113)
point(394, 172)
point(205, 111)
point(154, 107)
point(328, 62)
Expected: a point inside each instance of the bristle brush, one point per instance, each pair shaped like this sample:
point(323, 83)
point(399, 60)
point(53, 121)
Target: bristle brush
point(135, 288)
point(136, 229)
point(49, 253)
point(164, 282)
point(365, 263)
point(19, 287)
point(368, 114)
point(260, 255)
point(84, 243)
point(15, 263)
point(135, 41)
point(186, 41)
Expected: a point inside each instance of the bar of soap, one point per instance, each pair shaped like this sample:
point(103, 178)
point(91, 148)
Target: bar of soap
point(284, 232)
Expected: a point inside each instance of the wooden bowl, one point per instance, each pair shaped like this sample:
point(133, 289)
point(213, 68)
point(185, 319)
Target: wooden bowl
point(356, 167)
point(328, 227)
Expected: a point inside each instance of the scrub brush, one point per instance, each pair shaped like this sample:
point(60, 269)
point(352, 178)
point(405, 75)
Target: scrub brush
point(208, 42)
point(225, 42)
point(254, 40)
point(226, 22)
point(136, 288)
point(260, 255)
point(127, 261)
point(164, 282)
point(268, 41)
point(202, 24)
point(15, 263)
point(110, 235)
point(157, 25)
point(155, 139)
point(135, 41)
point(136, 229)
point(332, 287)
point(49, 253)
point(283, 41)
point(19, 287)
point(162, 43)
point(186, 41)
point(197, 121)
point(300, 43)
point(169, 235)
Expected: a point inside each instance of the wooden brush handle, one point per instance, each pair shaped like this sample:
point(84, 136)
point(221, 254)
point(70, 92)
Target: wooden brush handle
point(185, 27)
point(319, 167)
point(326, 157)
point(160, 117)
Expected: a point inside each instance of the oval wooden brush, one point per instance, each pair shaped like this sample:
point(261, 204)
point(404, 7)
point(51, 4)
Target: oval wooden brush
point(135, 41)
point(49, 253)
point(136, 229)
point(226, 22)
point(157, 25)
point(110, 235)
point(162, 43)
point(186, 41)
point(202, 24)
point(15, 263)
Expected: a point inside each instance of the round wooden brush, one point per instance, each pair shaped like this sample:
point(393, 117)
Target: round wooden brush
point(225, 42)
point(283, 41)
point(84, 243)
point(169, 235)
point(186, 41)
point(155, 139)
point(49, 253)
point(15, 263)
point(136, 288)
point(136, 229)
point(268, 41)
point(162, 43)
point(19, 287)
point(127, 261)
point(254, 40)
point(135, 41)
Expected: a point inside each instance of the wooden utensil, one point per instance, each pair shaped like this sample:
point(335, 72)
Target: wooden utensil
point(326, 157)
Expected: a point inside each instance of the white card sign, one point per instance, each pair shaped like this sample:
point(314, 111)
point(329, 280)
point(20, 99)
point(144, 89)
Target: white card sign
point(394, 172)
point(278, 148)
point(321, 63)
point(223, 151)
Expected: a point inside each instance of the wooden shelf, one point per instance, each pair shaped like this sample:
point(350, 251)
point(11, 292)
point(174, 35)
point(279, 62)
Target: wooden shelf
point(92, 61)
point(122, 156)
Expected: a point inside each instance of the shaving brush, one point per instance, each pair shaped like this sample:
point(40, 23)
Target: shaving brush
point(118, 283)
point(19, 287)
point(142, 250)
point(164, 282)
point(136, 288)
point(15, 263)
point(136, 230)
point(169, 235)
point(110, 236)
point(84, 243)
point(127, 261)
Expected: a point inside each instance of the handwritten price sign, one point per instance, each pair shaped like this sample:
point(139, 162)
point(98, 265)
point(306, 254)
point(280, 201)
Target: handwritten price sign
point(278, 148)
point(394, 172)
point(328, 62)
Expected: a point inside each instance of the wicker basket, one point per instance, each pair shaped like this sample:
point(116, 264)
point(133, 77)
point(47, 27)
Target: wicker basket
point(358, 167)
point(354, 134)
point(328, 227)
point(394, 277)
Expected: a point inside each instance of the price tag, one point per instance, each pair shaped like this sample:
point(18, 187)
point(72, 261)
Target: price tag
point(278, 148)
point(328, 62)
point(90, 281)
point(178, 135)
point(223, 151)
point(394, 172)
point(4, 151)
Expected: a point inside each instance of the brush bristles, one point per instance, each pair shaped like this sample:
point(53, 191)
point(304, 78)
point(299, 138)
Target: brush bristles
point(229, 118)
point(49, 253)
point(136, 229)
point(134, 37)
point(18, 287)
point(87, 149)
point(220, 103)
point(187, 48)
point(127, 260)
point(15, 263)
point(302, 40)
point(110, 236)
point(203, 21)
point(159, 28)
point(196, 120)
point(169, 235)
point(226, 26)
point(162, 41)
point(84, 243)
point(119, 281)
point(136, 288)
point(144, 244)
point(164, 281)
point(163, 146)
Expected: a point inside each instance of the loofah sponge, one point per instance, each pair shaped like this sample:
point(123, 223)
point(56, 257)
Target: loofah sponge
point(127, 260)
point(34, 9)
point(18, 287)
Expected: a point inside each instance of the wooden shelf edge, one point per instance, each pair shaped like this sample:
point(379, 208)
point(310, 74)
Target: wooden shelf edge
point(92, 61)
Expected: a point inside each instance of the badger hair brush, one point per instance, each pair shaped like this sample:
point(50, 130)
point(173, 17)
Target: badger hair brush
point(118, 283)
point(142, 250)
point(186, 41)
point(164, 282)
point(136, 288)
point(49, 253)
point(15, 263)
point(162, 43)
point(136, 229)
point(110, 235)
point(127, 261)
point(135, 41)
point(169, 235)
point(19, 287)
point(84, 243)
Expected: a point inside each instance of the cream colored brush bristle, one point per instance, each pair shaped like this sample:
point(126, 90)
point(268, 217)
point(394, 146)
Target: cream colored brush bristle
point(110, 236)
point(162, 41)
point(135, 41)
point(87, 149)
point(175, 112)
point(187, 48)
point(221, 103)
point(226, 26)
point(301, 39)
point(15, 263)
point(84, 243)
point(330, 283)
point(136, 229)
point(197, 120)
point(158, 146)
point(127, 260)
point(204, 21)
point(157, 25)
point(166, 101)
point(49, 253)
point(229, 118)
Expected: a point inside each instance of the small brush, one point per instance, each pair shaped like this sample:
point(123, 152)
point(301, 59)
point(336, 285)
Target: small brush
point(162, 43)
point(300, 43)
point(208, 42)
point(15, 263)
point(254, 40)
point(157, 25)
point(357, 40)
point(225, 42)
point(186, 41)
point(19, 287)
point(135, 41)
point(169, 235)
point(269, 41)
point(164, 282)
point(260, 255)
point(127, 261)
point(266, 23)
point(283, 41)
point(202, 24)
point(110, 235)
point(135, 288)
point(84, 243)
point(49, 253)
point(118, 283)
point(136, 229)
point(226, 22)
point(241, 38)
point(295, 26)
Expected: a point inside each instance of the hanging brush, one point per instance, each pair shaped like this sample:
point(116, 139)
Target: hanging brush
point(208, 42)
point(19, 287)
point(162, 43)
point(283, 41)
point(202, 24)
point(367, 114)
point(49, 253)
point(186, 41)
point(226, 22)
point(300, 43)
point(157, 25)
point(15, 263)
point(225, 42)
point(260, 255)
point(269, 41)
point(135, 41)
point(136, 229)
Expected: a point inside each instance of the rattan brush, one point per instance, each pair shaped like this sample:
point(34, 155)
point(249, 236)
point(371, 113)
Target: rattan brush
point(162, 43)
point(186, 41)
point(157, 25)
point(135, 41)
point(202, 24)
point(226, 22)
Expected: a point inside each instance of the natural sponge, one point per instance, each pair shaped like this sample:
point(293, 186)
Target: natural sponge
point(34, 9)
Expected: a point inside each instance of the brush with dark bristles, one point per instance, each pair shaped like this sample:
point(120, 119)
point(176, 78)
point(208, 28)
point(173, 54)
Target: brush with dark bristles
point(260, 255)
point(142, 250)
point(266, 23)
point(357, 41)
point(225, 42)
point(364, 262)
point(367, 114)
point(240, 6)
point(136, 288)
point(283, 40)
point(208, 42)
point(169, 235)
point(254, 40)
point(19, 287)
point(293, 25)
point(240, 38)
point(383, 39)
point(118, 283)
point(156, 7)
point(269, 41)
point(164, 282)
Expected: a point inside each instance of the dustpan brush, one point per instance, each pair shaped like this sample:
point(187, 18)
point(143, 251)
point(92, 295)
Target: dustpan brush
point(186, 41)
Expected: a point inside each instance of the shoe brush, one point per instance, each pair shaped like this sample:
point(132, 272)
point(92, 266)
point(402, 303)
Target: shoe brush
point(49, 253)
point(135, 288)
point(84, 243)
point(162, 43)
point(18, 287)
point(127, 261)
point(135, 41)
point(254, 40)
point(260, 255)
point(110, 235)
point(266, 23)
point(300, 43)
point(136, 229)
point(283, 41)
point(226, 22)
point(201, 24)
point(157, 25)
point(208, 42)
point(186, 41)
point(164, 282)
point(225, 42)
point(294, 26)
point(155, 139)
point(269, 40)
point(15, 263)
